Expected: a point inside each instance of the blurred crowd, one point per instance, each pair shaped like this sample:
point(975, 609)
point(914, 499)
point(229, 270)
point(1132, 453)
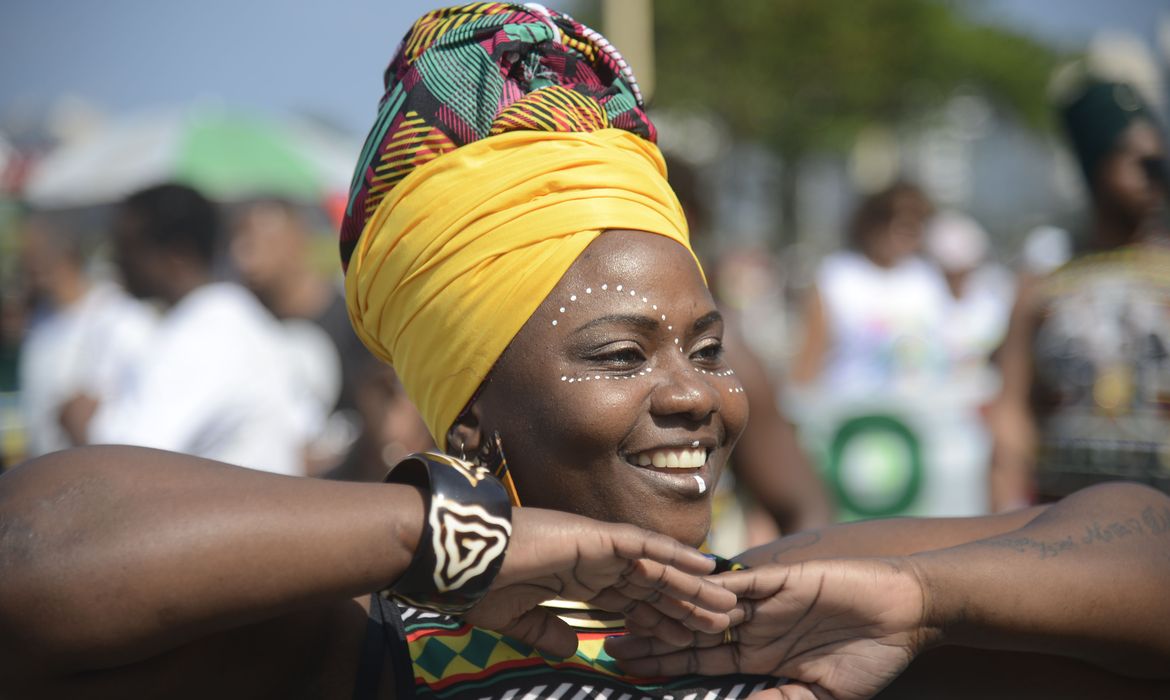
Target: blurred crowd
point(197, 327)
point(920, 371)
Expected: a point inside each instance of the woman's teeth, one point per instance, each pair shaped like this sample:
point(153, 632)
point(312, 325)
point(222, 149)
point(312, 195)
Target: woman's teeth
point(672, 459)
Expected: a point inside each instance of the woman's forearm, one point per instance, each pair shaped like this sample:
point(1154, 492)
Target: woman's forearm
point(885, 538)
point(1086, 579)
point(110, 554)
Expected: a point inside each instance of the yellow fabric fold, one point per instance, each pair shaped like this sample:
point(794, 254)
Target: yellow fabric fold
point(462, 251)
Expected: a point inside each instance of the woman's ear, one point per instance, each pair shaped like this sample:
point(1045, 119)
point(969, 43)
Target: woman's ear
point(466, 434)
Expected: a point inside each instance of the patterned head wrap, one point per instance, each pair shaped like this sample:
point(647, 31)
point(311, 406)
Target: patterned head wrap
point(544, 144)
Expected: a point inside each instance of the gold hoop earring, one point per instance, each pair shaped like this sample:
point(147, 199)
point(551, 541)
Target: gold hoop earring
point(495, 461)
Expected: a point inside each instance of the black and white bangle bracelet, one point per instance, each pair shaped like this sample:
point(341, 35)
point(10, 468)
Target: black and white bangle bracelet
point(465, 534)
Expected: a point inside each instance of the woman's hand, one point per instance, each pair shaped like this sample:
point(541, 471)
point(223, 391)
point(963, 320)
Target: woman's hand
point(650, 578)
point(839, 629)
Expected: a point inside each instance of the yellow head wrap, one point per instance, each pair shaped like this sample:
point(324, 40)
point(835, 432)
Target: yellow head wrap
point(461, 253)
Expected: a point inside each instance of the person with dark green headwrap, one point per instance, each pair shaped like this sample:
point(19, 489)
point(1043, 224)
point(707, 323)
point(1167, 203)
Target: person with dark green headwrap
point(1086, 362)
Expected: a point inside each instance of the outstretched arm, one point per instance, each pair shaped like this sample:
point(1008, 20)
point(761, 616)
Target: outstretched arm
point(113, 556)
point(893, 537)
point(1085, 580)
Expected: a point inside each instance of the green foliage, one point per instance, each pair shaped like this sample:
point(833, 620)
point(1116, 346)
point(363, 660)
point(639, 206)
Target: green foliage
point(804, 76)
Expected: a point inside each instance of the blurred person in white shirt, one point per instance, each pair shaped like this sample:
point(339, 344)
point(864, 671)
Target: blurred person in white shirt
point(217, 380)
point(85, 334)
point(977, 311)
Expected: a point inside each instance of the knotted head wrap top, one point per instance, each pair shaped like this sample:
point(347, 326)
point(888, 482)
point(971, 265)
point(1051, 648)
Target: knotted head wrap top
point(508, 138)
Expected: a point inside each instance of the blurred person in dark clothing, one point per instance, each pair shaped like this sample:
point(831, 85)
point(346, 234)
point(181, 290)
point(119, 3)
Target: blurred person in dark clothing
point(769, 464)
point(272, 252)
point(217, 380)
point(1086, 362)
point(84, 336)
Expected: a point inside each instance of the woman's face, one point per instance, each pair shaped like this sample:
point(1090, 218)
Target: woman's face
point(1123, 181)
point(614, 400)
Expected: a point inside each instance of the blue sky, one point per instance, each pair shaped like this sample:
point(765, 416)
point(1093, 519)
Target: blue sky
point(324, 58)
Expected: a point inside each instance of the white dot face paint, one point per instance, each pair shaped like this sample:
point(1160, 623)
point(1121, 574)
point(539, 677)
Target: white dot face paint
point(567, 310)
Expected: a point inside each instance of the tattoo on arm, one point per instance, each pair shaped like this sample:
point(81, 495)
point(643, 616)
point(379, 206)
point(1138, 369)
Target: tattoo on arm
point(1152, 522)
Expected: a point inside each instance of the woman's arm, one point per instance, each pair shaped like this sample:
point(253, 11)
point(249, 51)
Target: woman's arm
point(1013, 428)
point(111, 555)
point(1085, 579)
point(810, 359)
point(117, 556)
point(885, 538)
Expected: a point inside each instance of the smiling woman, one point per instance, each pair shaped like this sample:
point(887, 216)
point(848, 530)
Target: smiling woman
point(628, 392)
point(514, 250)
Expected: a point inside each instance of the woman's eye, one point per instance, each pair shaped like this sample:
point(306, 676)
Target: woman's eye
point(620, 358)
point(711, 352)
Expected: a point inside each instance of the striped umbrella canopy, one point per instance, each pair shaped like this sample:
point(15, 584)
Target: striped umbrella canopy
point(228, 155)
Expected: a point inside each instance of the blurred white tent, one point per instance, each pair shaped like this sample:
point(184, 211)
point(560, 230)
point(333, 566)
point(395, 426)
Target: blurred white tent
point(227, 154)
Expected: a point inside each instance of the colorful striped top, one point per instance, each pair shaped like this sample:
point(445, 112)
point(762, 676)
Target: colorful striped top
point(437, 656)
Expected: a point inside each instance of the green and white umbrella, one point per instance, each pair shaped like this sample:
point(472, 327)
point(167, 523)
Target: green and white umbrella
point(228, 155)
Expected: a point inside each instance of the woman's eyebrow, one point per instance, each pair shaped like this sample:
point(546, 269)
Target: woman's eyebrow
point(643, 323)
point(705, 321)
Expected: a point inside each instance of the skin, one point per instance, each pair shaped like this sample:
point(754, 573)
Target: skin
point(593, 427)
point(1127, 209)
point(846, 628)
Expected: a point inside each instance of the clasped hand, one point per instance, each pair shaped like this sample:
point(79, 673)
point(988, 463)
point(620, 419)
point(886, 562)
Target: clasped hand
point(838, 629)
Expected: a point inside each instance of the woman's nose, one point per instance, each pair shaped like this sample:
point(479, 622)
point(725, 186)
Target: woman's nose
point(683, 391)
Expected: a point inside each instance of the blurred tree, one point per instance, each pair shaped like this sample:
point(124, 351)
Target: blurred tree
point(804, 77)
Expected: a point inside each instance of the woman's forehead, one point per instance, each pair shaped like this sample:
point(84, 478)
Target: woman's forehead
point(636, 256)
point(631, 274)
